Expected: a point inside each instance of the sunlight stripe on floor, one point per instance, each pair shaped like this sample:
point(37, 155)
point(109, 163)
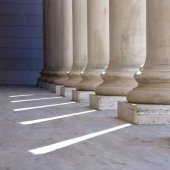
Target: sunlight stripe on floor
point(40, 107)
point(22, 95)
point(63, 144)
point(29, 100)
point(55, 118)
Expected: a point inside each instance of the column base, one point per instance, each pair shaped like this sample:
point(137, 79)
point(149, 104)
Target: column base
point(55, 89)
point(105, 102)
point(66, 91)
point(79, 96)
point(144, 113)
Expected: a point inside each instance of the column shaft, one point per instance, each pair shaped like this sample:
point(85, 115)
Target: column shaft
point(48, 16)
point(67, 43)
point(127, 46)
point(98, 44)
point(79, 42)
point(154, 77)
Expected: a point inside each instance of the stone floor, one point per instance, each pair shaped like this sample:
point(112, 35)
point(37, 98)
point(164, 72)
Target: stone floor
point(42, 131)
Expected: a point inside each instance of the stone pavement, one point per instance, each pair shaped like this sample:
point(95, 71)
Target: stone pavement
point(42, 131)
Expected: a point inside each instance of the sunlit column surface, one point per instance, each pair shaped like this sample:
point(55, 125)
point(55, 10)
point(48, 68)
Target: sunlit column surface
point(149, 101)
point(98, 44)
point(67, 42)
point(127, 46)
point(154, 77)
point(79, 42)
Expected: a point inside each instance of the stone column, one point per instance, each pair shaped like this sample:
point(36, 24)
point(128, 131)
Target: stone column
point(149, 102)
point(67, 43)
point(79, 44)
point(52, 41)
point(56, 45)
point(127, 52)
point(98, 44)
point(48, 16)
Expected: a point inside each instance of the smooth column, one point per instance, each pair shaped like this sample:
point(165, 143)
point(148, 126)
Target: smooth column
point(98, 44)
point(79, 47)
point(149, 101)
point(48, 16)
point(127, 51)
point(57, 40)
point(67, 43)
point(79, 42)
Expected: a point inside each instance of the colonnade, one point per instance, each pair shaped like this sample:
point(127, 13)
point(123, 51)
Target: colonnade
point(114, 53)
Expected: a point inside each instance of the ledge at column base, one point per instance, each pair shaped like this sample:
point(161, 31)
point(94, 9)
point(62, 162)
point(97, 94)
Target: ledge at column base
point(144, 113)
point(105, 102)
point(55, 89)
point(78, 96)
point(66, 91)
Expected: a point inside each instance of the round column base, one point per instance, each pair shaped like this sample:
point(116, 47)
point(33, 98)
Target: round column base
point(147, 94)
point(89, 85)
point(115, 89)
point(72, 81)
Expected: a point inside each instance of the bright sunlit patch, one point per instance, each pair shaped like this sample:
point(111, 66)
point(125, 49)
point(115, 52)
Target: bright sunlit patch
point(55, 118)
point(139, 73)
point(29, 100)
point(59, 145)
point(22, 95)
point(39, 107)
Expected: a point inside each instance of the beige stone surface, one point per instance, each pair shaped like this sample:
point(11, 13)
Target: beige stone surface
point(52, 33)
point(79, 96)
point(144, 113)
point(55, 89)
point(79, 42)
point(154, 76)
point(98, 44)
point(58, 40)
point(127, 46)
point(67, 42)
point(66, 91)
point(105, 102)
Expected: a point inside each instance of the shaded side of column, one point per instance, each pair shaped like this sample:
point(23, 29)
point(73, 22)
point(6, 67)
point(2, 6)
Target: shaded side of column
point(48, 36)
point(57, 41)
